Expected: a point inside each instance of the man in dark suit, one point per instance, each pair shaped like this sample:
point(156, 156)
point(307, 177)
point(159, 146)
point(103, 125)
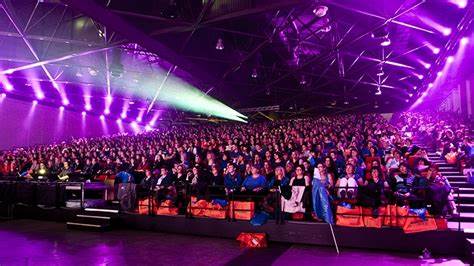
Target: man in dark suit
point(164, 186)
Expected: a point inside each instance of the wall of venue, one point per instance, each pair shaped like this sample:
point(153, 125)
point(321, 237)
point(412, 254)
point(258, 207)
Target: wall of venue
point(24, 124)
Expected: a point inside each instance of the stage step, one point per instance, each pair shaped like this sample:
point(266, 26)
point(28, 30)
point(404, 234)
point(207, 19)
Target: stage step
point(86, 226)
point(116, 211)
point(457, 179)
point(94, 218)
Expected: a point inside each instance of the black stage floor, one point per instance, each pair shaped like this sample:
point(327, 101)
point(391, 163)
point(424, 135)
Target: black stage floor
point(32, 242)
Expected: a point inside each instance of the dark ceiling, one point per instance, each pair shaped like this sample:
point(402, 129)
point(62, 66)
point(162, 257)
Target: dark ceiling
point(273, 52)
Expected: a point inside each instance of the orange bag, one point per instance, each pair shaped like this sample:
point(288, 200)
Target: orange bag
point(252, 240)
point(166, 208)
point(241, 210)
point(415, 224)
point(441, 223)
point(451, 158)
point(370, 221)
point(349, 217)
point(203, 208)
point(395, 216)
point(297, 216)
point(143, 206)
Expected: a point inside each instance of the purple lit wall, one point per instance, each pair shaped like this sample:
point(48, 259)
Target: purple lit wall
point(461, 99)
point(23, 124)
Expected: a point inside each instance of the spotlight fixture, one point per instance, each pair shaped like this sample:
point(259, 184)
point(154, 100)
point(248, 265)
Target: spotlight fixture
point(106, 112)
point(320, 11)
point(380, 72)
point(346, 102)
point(385, 42)
point(83, 113)
point(35, 102)
point(420, 76)
point(254, 73)
point(3, 95)
point(410, 95)
point(439, 74)
point(65, 102)
point(446, 31)
point(61, 108)
point(407, 100)
point(461, 3)
point(436, 50)
point(93, 71)
point(88, 107)
point(220, 44)
point(123, 115)
point(376, 106)
point(303, 80)
point(464, 40)
point(427, 65)
point(450, 59)
point(326, 28)
point(102, 117)
point(119, 120)
point(378, 91)
point(430, 85)
point(380, 33)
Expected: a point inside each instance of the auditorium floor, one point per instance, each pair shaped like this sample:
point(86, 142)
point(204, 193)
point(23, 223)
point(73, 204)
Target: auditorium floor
point(28, 242)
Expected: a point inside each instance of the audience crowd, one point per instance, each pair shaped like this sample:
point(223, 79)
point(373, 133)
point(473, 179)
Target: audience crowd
point(361, 159)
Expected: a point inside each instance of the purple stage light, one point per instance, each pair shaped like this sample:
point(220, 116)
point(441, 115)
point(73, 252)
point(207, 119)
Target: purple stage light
point(3, 95)
point(459, 3)
point(410, 95)
point(119, 120)
point(35, 102)
point(429, 86)
point(386, 42)
point(83, 113)
point(446, 31)
point(450, 59)
point(427, 65)
point(420, 76)
point(106, 112)
point(88, 107)
point(65, 102)
point(123, 115)
point(134, 124)
point(102, 117)
point(439, 74)
point(39, 95)
point(8, 86)
point(464, 40)
point(436, 50)
point(61, 108)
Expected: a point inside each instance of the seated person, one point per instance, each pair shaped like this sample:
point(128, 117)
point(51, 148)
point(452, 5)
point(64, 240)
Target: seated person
point(300, 200)
point(401, 183)
point(216, 178)
point(147, 184)
point(372, 192)
point(279, 179)
point(440, 196)
point(232, 180)
point(199, 181)
point(254, 182)
point(42, 173)
point(165, 186)
point(65, 172)
point(347, 184)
